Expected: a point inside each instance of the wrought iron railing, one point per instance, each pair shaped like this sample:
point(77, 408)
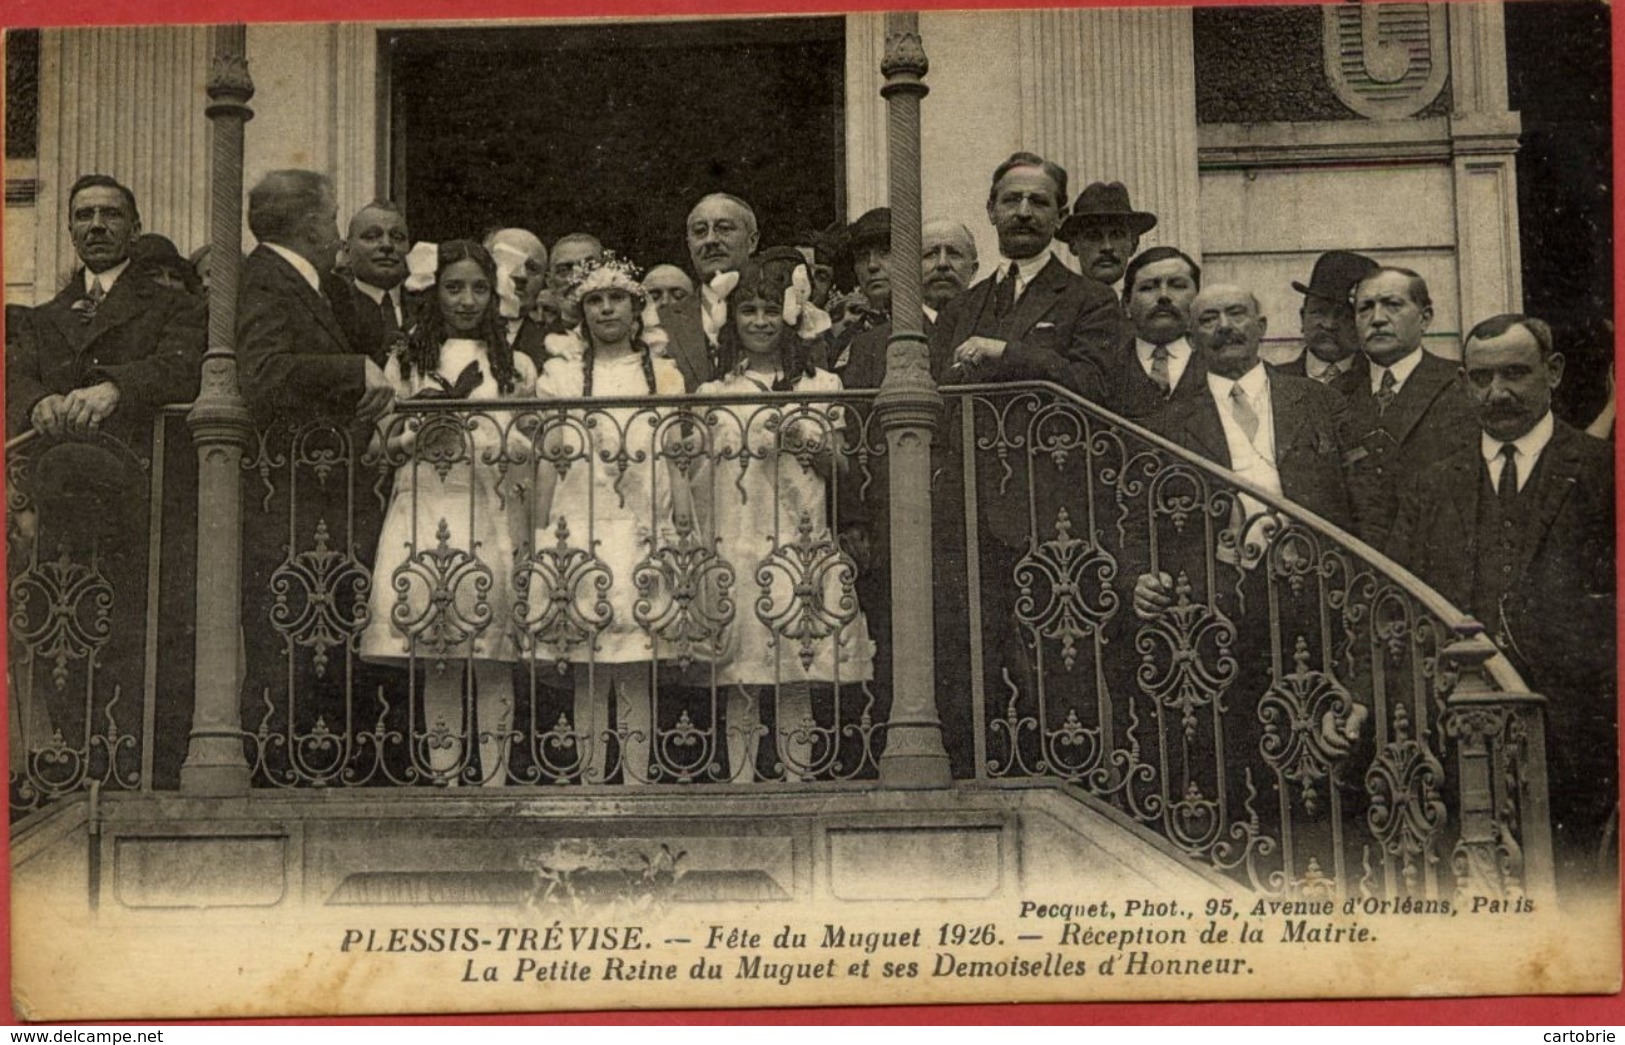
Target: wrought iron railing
point(1222, 724)
point(437, 601)
point(581, 591)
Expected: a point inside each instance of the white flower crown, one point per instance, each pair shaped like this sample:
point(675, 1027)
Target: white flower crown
point(604, 273)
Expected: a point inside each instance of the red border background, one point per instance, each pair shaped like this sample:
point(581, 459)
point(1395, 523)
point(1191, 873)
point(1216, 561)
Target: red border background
point(1556, 1012)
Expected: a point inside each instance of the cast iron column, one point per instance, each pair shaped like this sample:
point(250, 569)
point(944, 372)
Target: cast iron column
point(221, 429)
point(908, 407)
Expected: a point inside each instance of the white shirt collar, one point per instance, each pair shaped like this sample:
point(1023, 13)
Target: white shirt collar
point(930, 313)
point(107, 278)
point(1527, 450)
point(1179, 356)
point(300, 265)
point(1401, 370)
point(377, 293)
point(1320, 370)
point(1254, 382)
point(1027, 269)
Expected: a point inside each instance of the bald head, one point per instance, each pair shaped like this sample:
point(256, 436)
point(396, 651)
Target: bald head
point(947, 261)
point(1226, 327)
point(668, 285)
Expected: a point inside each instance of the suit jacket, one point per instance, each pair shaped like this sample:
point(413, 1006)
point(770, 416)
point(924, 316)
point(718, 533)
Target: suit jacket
point(1310, 429)
point(295, 358)
point(1560, 617)
point(1055, 332)
point(1130, 392)
point(359, 317)
point(531, 341)
point(1347, 382)
point(146, 339)
point(1431, 418)
point(688, 347)
point(866, 358)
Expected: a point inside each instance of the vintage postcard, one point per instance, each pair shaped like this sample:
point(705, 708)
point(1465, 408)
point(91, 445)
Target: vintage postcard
point(498, 521)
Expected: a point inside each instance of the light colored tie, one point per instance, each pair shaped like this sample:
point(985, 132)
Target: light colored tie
point(93, 299)
point(1241, 407)
point(1159, 369)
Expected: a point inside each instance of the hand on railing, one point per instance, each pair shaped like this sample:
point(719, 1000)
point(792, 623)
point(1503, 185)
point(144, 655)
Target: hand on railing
point(1340, 737)
point(377, 398)
point(1153, 594)
point(79, 412)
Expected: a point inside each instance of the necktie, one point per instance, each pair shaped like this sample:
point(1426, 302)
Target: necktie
point(1507, 489)
point(1385, 392)
point(1159, 369)
point(1242, 408)
point(94, 298)
point(386, 311)
point(1004, 295)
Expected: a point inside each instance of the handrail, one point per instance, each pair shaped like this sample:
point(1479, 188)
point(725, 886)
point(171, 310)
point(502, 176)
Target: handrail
point(1501, 670)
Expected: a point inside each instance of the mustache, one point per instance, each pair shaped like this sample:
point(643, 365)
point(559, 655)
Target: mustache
point(1226, 338)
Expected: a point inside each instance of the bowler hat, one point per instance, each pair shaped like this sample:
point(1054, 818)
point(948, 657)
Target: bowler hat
point(92, 486)
point(873, 228)
point(1335, 274)
point(1104, 200)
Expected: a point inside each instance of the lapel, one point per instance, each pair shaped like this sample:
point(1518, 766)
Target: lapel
point(1206, 431)
point(1286, 398)
point(317, 304)
point(1556, 475)
point(1458, 510)
point(1036, 301)
point(1426, 382)
point(60, 311)
point(127, 299)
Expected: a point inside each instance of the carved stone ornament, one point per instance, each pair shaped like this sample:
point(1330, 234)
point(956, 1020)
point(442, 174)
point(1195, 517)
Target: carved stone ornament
point(229, 77)
point(1386, 61)
point(905, 56)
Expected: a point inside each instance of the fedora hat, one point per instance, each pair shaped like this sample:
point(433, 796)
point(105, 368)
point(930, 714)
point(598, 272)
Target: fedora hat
point(1102, 199)
point(1335, 274)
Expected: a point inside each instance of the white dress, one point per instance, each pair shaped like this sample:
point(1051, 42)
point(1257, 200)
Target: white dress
point(611, 512)
point(796, 615)
point(443, 584)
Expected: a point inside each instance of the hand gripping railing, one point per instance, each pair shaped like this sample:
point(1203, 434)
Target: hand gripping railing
point(1228, 726)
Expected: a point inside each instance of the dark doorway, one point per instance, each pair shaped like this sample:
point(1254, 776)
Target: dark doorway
point(617, 129)
point(1558, 79)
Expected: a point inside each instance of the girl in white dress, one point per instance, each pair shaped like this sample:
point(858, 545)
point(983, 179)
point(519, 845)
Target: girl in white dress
point(442, 589)
point(603, 489)
point(797, 619)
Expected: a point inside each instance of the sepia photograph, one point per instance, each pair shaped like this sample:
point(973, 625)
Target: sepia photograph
point(1080, 504)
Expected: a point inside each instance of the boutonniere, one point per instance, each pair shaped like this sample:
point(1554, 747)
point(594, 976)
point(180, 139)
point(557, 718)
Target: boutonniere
point(85, 308)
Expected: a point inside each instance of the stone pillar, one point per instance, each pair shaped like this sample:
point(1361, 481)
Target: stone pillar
point(908, 407)
point(1483, 149)
point(1111, 96)
point(220, 425)
point(121, 101)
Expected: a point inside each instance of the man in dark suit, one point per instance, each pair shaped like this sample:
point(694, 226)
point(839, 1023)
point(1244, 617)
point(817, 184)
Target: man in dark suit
point(1281, 433)
point(295, 359)
point(1517, 529)
point(947, 266)
point(721, 235)
point(1331, 342)
point(1033, 319)
point(298, 367)
point(868, 250)
point(1155, 366)
point(371, 305)
point(108, 351)
point(89, 370)
point(1410, 411)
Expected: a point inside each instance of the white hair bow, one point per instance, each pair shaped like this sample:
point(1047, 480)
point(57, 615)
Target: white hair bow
point(420, 265)
point(799, 311)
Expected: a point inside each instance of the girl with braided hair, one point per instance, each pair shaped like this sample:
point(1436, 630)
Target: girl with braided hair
point(797, 620)
point(602, 486)
point(442, 589)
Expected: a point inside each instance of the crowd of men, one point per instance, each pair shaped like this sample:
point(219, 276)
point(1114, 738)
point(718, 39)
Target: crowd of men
point(1459, 471)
